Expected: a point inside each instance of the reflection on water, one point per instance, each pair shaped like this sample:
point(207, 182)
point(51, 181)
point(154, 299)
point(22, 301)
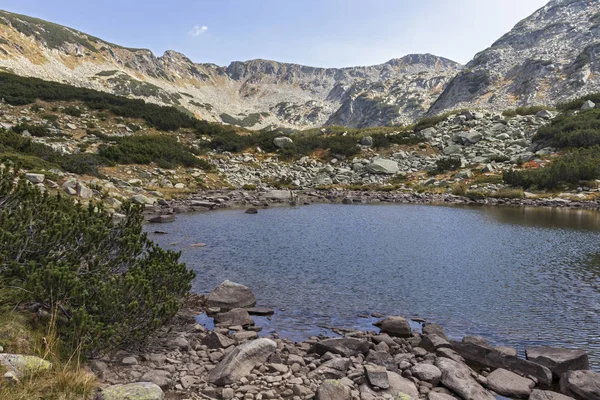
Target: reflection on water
point(517, 276)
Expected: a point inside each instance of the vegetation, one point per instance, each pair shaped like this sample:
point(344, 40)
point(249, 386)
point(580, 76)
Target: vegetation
point(568, 169)
point(104, 283)
point(246, 122)
point(446, 164)
point(508, 193)
point(572, 130)
point(460, 189)
point(531, 110)
point(577, 103)
point(72, 111)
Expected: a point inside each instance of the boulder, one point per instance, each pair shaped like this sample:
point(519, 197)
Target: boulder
point(346, 347)
point(588, 105)
point(333, 369)
point(483, 355)
point(215, 340)
point(83, 191)
point(399, 388)
point(251, 210)
point(333, 390)
point(237, 316)
point(544, 114)
point(283, 142)
point(35, 178)
point(547, 395)
point(432, 342)
point(472, 137)
point(439, 396)
point(366, 141)
point(427, 372)
point(143, 200)
point(457, 377)
point(427, 133)
point(581, 385)
point(383, 166)
point(452, 149)
point(394, 326)
point(241, 361)
point(510, 384)
point(132, 391)
point(377, 376)
point(229, 295)
point(435, 328)
point(558, 360)
point(24, 365)
point(279, 195)
point(161, 219)
point(158, 377)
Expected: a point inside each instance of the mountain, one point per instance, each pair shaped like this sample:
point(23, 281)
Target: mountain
point(253, 94)
point(549, 57)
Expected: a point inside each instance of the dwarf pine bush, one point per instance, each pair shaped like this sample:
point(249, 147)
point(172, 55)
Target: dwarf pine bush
point(108, 283)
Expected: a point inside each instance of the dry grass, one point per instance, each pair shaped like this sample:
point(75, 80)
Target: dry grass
point(508, 193)
point(460, 189)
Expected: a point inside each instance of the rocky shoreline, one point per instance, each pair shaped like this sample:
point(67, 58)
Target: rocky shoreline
point(187, 361)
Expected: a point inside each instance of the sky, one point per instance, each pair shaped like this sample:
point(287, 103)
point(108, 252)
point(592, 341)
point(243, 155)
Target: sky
point(322, 33)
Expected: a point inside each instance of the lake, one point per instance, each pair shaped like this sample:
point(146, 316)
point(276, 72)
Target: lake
point(516, 276)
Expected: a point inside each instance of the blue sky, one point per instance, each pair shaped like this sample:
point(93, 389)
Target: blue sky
point(327, 33)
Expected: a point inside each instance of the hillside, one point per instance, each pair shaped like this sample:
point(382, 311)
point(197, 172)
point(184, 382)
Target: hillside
point(252, 94)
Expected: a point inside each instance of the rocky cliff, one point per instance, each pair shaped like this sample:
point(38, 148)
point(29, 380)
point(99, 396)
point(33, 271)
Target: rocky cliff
point(253, 94)
point(549, 57)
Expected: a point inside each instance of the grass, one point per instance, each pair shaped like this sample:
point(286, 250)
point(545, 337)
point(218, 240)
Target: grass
point(508, 193)
point(460, 189)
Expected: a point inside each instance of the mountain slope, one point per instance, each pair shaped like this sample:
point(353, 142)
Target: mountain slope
point(549, 57)
point(253, 94)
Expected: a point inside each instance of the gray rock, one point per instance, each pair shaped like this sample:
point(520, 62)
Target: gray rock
point(333, 390)
point(547, 395)
point(398, 386)
point(545, 114)
point(439, 396)
point(427, 133)
point(283, 142)
point(366, 141)
point(427, 372)
point(215, 340)
point(510, 384)
point(457, 377)
point(229, 295)
point(35, 178)
point(132, 391)
point(383, 166)
point(558, 360)
point(282, 195)
point(452, 149)
point(347, 347)
point(83, 191)
point(129, 361)
point(240, 362)
point(158, 377)
point(236, 316)
point(472, 137)
point(435, 328)
point(161, 219)
point(394, 326)
point(332, 369)
point(588, 105)
point(432, 342)
point(581, 385)
point(22, 365)
point(377, 376)
point(143, 200)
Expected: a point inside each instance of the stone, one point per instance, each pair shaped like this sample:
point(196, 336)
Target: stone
point(588, 105)
point(179, 343)
point(547, 395)
point(236, 316)
point(161, 219)
point(143, 200)
point(457, 377)
point(400, 388)
point(262, 311)
point(439, 396)
point(383, 166)
point(482, 354)
point(129, 361)
point(333, 369)
point(427, 133)
point(452, 149)
point(251, 210)
point(394, 326)
point(377, 376)
point(83, 191)
point(157, 376)
point(229, 295)
point(24, 365)
point(581, 385)
point(435, 328)
point(346, 347)
point(427, 372)
point(35, 178)
point(283, 142)
point(215, 340)
point(281, 195)
point(432, 342)
point(472, 137)
point(558, 360)
point(240, 362)
point(366, 141)
point(132, 391)
point(333, 390)
point(544, 114)
point(509, 384)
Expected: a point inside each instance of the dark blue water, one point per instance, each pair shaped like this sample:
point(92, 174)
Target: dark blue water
point(516, 276)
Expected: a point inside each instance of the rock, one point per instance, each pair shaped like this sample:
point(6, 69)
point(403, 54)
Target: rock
point(347, 347)
point(237, 316)
point(452, 149)
point(158, 377)
point(240, 362)
point(333, 390)
point(439, 396)
point(558, 360)
point(427, 133)
point(161, 219)
point(332, 369)
point(215, 340)
point(366, 141)
point(510, 351)
point(510, 384)
point(283, 142)
point(435, 328)
point(229, 295)
point(581, 385)
point(35, 178)
point(251, 210)
point(143, 200)
point(472, 137)
point(129, 361)
point(24, 365)
point(383, 166)
point(457, 377)
point(72, 126)
point(132, 391)
point(545, 114)
point(399, 388)
point(179, 343)
point(482, 354)
point(262, 311)
point(281, 195)
point(432, 342)
point(377, 376)
point(83, 191)
point(547, 395)
point(588, 105)
point(427, 372)
point(394, 326)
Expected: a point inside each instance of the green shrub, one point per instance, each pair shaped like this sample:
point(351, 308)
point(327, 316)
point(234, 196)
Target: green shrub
point(508, 193)
point(568, 169)
point(34, 130)
point(446, 164)
point(530, 110)
point(460, 189)
point(572, 130)
point(249, 186)
point(107, 282)
point(50, 117)
point(72, 111)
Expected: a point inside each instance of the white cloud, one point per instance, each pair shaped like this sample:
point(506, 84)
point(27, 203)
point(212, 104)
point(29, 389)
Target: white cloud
point(198, 30)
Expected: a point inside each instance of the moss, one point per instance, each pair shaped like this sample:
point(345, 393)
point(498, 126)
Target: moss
point(107, 73)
